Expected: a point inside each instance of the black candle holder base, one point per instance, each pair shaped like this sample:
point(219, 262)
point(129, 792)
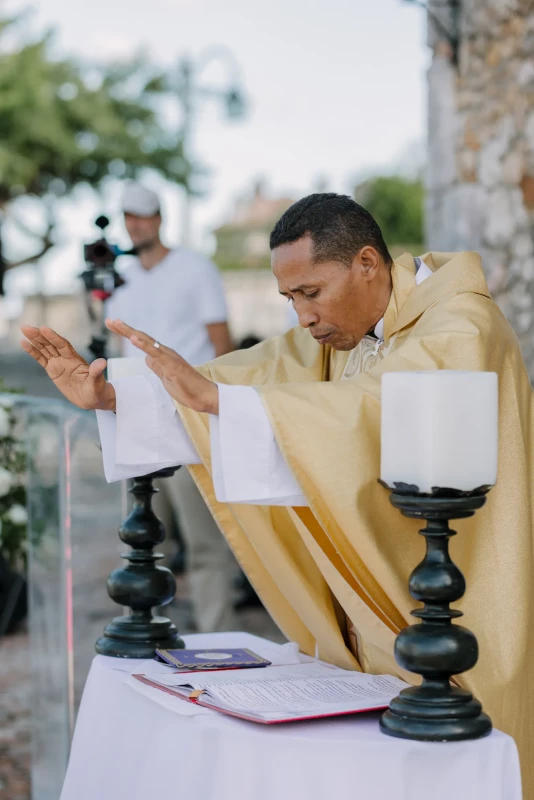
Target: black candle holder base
point(141, 585)
point(435, 714)
point(127, 637)
point(434, 648)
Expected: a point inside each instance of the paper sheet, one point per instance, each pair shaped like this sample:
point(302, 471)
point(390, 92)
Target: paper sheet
point(295, 697)
point(305, 689)
point(176, 704)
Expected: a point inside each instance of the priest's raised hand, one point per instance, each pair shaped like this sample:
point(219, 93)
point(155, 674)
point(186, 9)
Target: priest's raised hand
point(85, 386)
point(81, 383)
point(182, 381)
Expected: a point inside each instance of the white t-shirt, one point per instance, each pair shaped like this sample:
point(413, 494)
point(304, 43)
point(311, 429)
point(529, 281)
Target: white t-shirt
point(173, 302)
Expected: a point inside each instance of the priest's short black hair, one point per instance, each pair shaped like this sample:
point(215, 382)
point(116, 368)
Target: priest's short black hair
point(336, 224)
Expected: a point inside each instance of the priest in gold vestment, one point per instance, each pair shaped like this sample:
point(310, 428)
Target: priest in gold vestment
point(334, 574)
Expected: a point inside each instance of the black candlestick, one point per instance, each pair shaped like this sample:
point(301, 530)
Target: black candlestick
point(141, 585)
point(435, 648)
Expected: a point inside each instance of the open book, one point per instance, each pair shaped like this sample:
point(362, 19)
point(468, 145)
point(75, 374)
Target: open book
point(281, 694)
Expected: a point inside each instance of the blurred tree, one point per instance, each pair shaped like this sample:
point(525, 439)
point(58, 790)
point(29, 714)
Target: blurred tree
point(63, 124)
point(397, 205)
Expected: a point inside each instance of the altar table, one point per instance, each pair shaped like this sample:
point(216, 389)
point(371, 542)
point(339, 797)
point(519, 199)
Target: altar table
point(126, 746)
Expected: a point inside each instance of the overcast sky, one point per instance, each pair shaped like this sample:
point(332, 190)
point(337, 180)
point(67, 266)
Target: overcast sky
point(336, 88)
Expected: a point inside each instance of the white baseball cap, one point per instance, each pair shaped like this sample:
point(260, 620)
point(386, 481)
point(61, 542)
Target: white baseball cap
point(138, 200)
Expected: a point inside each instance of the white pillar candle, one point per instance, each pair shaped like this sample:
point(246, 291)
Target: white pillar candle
point(439, 428)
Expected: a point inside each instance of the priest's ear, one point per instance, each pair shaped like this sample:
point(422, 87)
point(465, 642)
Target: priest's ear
point(369, 262)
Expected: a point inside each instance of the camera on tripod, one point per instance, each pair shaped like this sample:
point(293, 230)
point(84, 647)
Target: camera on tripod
point(100, 280)
point(100, 277)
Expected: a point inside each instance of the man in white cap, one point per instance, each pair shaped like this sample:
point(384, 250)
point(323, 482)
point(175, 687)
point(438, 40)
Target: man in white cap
point(177, 295)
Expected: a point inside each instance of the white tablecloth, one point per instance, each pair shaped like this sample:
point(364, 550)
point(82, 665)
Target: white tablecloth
point(128, 747)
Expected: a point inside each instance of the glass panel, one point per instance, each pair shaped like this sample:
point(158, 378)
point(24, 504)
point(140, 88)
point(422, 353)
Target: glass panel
point(96, 511)
point(73, 545)
point(51, 690)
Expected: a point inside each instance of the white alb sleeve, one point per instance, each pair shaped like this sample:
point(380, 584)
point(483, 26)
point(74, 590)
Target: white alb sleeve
point(146, 433)
point(247, 465)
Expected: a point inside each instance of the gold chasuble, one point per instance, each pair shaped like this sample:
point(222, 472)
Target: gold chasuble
point(344, 562)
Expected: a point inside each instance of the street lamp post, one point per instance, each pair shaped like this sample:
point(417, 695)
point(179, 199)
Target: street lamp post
point(190, 91)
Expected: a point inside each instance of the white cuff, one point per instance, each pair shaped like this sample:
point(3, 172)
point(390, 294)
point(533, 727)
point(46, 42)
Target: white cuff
point(247, 465)
point(107, 428)
point(145, 434)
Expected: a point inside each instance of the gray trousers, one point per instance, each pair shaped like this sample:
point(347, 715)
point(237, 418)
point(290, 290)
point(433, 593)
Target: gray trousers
point(211, 566)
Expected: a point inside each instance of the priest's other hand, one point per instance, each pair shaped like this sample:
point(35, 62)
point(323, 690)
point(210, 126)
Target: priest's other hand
point(182, 381)
point(81, 383)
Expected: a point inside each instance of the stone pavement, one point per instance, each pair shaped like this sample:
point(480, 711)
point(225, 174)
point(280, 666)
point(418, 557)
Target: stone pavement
point(95, 552)
point(15, 740)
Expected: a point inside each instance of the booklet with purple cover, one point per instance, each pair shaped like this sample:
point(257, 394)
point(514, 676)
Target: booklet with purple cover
point(214, 658)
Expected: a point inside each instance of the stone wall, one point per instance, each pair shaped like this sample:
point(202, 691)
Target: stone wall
point(481, 149)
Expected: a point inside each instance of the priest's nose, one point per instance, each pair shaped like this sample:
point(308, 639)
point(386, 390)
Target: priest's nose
point(307, 317)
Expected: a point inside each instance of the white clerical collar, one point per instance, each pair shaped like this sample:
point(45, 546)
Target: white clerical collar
point(422, 272)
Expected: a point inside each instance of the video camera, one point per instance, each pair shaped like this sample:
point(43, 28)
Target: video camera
point(100, 276)
point(100, 280)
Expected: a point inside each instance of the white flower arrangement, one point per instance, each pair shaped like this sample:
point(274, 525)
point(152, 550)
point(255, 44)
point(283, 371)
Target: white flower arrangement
point(6, 401)
point(13, 514)
point(17, 515)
